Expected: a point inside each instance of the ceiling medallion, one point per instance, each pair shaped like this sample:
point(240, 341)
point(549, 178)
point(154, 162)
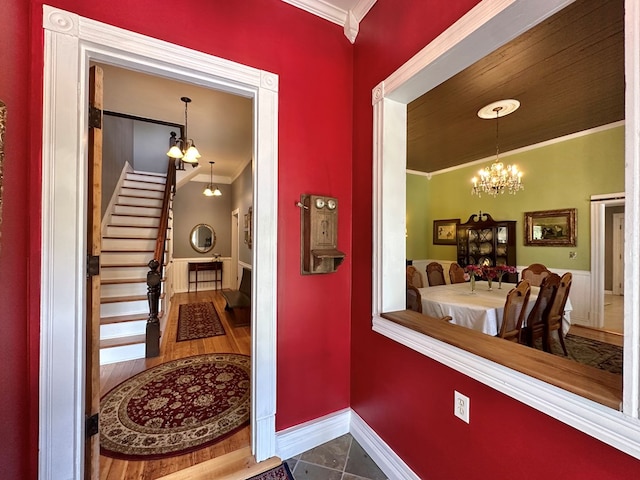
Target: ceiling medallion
point(496, 178)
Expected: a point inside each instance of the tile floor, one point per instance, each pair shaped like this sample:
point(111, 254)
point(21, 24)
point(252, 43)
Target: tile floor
point(340, 459)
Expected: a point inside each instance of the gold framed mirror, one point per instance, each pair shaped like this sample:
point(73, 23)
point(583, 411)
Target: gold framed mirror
point(202, 238)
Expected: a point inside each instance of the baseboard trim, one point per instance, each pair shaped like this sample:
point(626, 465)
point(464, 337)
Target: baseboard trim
point(300, 438)
point(389, 462)
point(305, 436)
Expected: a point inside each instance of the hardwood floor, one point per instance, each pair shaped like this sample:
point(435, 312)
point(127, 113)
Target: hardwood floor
point(236, 340)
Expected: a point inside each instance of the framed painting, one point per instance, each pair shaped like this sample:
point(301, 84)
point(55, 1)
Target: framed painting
point(445, 232)
point(550, 228)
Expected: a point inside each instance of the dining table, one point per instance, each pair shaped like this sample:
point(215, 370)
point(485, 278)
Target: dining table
point(480, 309)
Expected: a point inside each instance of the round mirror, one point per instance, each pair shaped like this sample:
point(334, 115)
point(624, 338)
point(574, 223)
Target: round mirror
point(202, 238)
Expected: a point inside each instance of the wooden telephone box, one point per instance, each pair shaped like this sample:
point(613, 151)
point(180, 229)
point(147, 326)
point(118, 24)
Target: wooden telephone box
point(318, 249)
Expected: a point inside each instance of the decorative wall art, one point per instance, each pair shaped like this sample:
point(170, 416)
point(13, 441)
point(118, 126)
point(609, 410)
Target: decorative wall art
point(445, 231)
point(550, 228)
point(248, 236)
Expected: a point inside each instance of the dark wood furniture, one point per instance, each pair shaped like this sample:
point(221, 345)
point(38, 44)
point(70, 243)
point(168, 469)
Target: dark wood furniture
point(485, 241)
point(239, 301)
point(435, 274)
point(413, 277)
point(196, 267)
point(514, 311)
point(414, 299)
point(456, 273)
point(553, 321)
point(535, 273)
point(534, 327)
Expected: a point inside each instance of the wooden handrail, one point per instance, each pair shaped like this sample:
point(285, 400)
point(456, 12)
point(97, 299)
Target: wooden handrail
point(154, 276)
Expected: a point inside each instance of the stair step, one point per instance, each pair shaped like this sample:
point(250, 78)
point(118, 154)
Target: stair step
point(147, 174)
point(122, 354)
point(116, 281)
point(131, 298)
point(144, 180)
point(143, 186)
point(134, 192)
point(132, 200)
point(142, 220)
point(122, 341)
point(124, 318)
point(136, 210)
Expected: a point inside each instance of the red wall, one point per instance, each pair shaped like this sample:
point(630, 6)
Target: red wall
point(15, 454)
point(314, 62)
point(406, 397)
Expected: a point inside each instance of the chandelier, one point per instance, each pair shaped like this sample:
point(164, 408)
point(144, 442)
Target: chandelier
point(184, 149)
point(496, 178)
point(212, 190)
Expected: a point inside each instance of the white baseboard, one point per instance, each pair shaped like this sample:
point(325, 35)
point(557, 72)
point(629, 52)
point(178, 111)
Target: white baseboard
point(300, 438)
point(381, 453)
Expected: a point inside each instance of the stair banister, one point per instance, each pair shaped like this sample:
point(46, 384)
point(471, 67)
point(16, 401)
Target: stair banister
point(154, 277)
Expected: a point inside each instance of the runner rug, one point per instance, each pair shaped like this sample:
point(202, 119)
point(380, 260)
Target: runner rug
point(279, 473)
point(198, 320)
point(176, 407)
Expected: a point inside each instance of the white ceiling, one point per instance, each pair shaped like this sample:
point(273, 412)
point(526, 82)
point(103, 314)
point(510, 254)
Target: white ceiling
point(219, 123)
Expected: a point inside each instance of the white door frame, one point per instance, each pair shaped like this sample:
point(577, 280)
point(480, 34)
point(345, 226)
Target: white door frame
point(598, 204)
point(235, 248)
point(71, 42)
point(617, 239)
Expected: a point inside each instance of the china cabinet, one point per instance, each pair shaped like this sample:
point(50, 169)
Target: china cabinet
point(486, 242)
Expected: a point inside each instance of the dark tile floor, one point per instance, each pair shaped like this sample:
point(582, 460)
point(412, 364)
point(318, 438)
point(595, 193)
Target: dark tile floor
point(340, 459)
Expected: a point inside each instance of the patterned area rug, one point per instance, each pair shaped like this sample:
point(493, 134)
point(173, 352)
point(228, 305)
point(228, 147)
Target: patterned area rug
point(279, 473)
point(591, 352)
point(198, 320)
point(176, 407)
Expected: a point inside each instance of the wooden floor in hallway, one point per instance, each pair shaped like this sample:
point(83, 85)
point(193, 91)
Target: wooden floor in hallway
point(236, 340)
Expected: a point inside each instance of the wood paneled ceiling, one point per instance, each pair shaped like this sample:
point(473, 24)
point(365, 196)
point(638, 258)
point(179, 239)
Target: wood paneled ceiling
point(567, 72)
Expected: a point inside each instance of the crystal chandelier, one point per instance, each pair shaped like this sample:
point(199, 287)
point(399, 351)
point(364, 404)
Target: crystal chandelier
point(496, 178)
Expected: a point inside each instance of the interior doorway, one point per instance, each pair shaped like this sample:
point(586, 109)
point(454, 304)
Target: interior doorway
point(67, 55)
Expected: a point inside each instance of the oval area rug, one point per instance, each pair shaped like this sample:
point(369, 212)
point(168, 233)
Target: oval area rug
point(176, 407)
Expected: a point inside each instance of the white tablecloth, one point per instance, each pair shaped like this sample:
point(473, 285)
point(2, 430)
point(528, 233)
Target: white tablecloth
point(481, 310)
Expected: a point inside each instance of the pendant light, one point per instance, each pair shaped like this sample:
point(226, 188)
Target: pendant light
point(186, 151)
point(212, 190)
point(496, 178)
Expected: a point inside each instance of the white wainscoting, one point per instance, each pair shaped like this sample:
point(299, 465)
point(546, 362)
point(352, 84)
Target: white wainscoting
point(580, 294)
point(180, 271)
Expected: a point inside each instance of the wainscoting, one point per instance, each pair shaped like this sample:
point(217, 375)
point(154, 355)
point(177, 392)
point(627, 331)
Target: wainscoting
point(580, 294)
point(180, 270)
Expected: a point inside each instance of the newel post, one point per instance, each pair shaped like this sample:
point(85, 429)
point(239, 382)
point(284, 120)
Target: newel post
point(152, 348)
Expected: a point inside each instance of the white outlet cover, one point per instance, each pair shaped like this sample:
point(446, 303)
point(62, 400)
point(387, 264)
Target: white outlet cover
point(461, 406)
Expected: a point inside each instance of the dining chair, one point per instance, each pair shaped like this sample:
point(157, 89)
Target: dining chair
point(414, 277)
point(534, 326)
point(414, 299)
point(535, 273)
point(456, 273)
point(515, 308)
point(435, 274)
point(553, 320)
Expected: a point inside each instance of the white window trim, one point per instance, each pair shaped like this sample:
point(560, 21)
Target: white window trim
point(487, 26)
point(71, 42)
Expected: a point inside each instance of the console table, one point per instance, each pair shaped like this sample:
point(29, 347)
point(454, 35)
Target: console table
point(196, 267)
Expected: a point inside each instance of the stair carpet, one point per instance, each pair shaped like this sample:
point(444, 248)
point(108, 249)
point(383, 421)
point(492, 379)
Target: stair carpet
point(128, 244)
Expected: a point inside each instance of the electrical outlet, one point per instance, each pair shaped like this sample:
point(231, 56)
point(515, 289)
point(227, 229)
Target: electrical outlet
point(461, 406)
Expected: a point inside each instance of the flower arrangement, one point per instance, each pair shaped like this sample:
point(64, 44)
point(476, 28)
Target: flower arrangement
point(489, 273)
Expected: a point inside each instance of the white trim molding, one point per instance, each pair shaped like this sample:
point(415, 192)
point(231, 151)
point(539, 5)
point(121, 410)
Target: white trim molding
point(349, 19)
point(300, 438)
point(71, 43)
point(489, 25)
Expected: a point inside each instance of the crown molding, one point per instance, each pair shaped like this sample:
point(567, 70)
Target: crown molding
point(348, 19)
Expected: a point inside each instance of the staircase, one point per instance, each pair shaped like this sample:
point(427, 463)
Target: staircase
point(128, 243)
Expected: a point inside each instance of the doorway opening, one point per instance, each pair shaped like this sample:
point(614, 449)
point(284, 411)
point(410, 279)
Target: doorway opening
point(64, 154)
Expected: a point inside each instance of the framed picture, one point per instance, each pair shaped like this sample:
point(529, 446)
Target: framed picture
point(550, 228)
point(445, 232)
